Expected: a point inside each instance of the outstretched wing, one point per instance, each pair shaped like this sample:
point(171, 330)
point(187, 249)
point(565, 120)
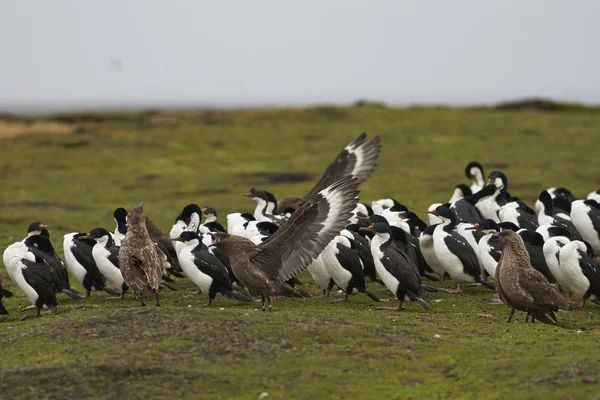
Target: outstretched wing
point(357, 159)
point(300, 240)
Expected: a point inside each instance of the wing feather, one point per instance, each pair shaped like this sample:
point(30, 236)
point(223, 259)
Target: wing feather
point(300, 240)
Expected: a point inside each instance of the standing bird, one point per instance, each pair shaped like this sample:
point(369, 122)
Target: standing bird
point(396, 269)
point(264, 268)
point(357, 159)
point(80, 262)
point(585, 215)
point(106, 257)
point(345, 267)
point(205, 269)
point(44, 254)
point(523, 288)
point(38, 283)
point(551, 250)
point(3, 293)
point(453, 251)
point(579, 270)
point(139, 258)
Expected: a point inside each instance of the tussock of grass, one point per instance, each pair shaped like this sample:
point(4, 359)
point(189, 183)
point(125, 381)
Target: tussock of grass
point(305, 348)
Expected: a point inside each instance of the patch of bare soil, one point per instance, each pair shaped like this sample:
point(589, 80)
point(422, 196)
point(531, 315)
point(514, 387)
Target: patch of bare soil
point(10, 129)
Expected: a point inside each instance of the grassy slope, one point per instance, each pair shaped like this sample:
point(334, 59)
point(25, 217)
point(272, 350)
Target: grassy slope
point(305, 349)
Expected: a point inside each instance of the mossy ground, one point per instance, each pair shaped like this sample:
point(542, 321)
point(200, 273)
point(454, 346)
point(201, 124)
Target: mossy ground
point(304, 348)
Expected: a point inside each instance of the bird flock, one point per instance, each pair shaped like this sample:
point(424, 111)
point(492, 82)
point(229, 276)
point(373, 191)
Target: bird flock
point(536, 259)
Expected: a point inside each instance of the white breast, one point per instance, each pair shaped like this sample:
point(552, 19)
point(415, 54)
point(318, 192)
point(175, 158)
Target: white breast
point(319, 273)
point(449, 260)
point(190, 269)
point(571, 271)
point(75, 268)
point(110, 272)
point(551, 251)
point(428, 251)
point(339, 274)
point(488, 207)
point(388, 279)
point(485, 259)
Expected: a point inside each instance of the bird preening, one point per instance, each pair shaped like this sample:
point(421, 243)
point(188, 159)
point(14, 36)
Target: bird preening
point(535, 259)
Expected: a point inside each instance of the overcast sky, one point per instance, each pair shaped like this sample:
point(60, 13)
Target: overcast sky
point(77, 53)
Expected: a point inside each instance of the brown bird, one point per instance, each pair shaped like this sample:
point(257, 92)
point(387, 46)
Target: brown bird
point(522, 287)
point(357, 159)
point(265, 268)
point(139, 258)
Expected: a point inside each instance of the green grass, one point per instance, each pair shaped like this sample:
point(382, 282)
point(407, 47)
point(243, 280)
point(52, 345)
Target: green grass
point(304, 348)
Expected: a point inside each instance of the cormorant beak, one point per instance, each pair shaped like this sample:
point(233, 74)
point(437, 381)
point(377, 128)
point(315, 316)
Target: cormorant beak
point(88, 236)
point(490, 180)
point(431, 212)
point(249, 194)
point(370, 228)
point(471, 228)
point(177, 239)
point(204, 210)
point(43, 226)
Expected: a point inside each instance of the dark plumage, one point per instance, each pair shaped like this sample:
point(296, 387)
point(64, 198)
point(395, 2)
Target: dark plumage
point(139, 258)
point(523, 288)
point(263, 269)
point(342, 261)
point(397, 270)
point(405, 243)
point(120, 216)
point(358, 159)
point(163, 242)
point(534, 243)
point(44, 254)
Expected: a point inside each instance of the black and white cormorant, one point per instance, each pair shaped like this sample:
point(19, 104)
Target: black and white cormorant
point(80, 262)
point(579, 271)
point(397, 270)
point(106, 256)
point(454, 253)
point(342, 261)
point(205, 269)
